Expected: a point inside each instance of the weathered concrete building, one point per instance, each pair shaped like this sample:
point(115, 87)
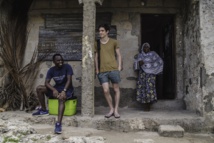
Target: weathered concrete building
point(180, 31)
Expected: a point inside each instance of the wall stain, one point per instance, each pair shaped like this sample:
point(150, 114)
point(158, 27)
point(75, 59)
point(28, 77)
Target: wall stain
point(131, 78)
point(209, 106)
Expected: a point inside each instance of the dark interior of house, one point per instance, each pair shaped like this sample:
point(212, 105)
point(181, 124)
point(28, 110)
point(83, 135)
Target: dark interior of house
point(158, 31)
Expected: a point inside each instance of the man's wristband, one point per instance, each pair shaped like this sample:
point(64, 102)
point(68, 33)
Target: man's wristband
point(64, 89)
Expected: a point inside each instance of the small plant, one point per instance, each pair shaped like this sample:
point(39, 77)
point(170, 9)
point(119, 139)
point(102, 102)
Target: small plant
point(12, 140)
point(33, 139)
point(48, 137)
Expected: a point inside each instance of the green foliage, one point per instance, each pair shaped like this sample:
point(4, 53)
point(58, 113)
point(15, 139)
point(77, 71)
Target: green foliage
point(48, 137)
point(9, 139)
point(33, 139)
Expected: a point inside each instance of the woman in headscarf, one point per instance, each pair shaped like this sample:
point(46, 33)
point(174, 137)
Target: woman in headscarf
point(150, 64)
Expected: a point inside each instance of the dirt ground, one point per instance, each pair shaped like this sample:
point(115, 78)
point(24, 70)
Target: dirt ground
point(121, 137)
point(112, 136)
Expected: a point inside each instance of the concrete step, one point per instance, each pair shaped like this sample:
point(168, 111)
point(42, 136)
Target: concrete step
point(171, 131)
point(169, 105)
point(130, 120)
point(177, 104)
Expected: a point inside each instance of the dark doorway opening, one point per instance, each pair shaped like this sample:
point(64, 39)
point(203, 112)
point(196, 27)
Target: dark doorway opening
point(158, 31)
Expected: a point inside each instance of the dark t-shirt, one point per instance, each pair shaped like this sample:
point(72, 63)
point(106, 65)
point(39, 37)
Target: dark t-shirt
point(59, 75)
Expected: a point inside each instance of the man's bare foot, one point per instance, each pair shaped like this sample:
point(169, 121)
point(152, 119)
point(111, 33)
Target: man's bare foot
point(109, 114)
point(116, 115)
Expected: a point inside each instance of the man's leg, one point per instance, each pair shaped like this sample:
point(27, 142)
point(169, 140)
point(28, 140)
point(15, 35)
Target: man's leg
point(114, 76)
point(108, 98)
point(61, 110)
point(41, 90)
point(117, 99)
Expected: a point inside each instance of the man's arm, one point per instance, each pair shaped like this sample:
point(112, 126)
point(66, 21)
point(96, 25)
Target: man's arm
point(96, 62)
point(49, 86)
point(62, 95)
point(119, 59)
point(69, 78)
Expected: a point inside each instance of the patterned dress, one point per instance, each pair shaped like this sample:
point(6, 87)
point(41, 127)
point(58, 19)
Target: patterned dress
point(153, 65)
point(146, 91)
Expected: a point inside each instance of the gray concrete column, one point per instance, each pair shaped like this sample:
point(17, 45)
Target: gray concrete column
point(89, 17)
point(179, 53)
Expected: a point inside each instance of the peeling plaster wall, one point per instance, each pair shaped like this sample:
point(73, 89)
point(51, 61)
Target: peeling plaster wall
point(199, 56)
point(193, 57)
point(207, 46)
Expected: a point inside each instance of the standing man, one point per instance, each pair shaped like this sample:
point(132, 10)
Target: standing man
point(108, 67)
point(62, 90)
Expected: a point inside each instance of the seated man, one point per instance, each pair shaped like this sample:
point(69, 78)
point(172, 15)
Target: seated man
point(62, 90)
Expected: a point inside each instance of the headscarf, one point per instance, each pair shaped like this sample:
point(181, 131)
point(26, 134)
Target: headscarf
point(144, 45)
point(153, 64)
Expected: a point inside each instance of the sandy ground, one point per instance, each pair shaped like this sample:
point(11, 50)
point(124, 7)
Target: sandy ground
point(121, 137)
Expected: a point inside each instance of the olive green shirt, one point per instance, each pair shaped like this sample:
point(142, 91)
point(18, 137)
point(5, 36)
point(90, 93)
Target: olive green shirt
point(108, 60)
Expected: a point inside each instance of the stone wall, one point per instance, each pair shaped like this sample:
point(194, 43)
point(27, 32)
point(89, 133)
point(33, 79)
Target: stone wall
point(207, 49)
point(192, 58)
point(199, 56)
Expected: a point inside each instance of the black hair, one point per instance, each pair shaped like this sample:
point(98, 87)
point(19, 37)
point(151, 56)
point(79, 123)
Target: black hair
point(57, 55)
point(105, 26)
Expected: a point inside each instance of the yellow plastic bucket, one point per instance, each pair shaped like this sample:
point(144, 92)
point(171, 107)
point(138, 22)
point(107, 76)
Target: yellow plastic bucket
point(70, 107)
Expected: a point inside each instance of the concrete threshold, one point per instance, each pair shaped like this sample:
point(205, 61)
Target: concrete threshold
point(171, 131)
point(130, 120)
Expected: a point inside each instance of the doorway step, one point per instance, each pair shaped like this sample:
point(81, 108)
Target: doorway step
point(171, 131)
point(167, 105)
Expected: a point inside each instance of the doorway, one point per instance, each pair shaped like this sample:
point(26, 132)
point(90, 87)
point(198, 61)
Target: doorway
point(158, 31)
